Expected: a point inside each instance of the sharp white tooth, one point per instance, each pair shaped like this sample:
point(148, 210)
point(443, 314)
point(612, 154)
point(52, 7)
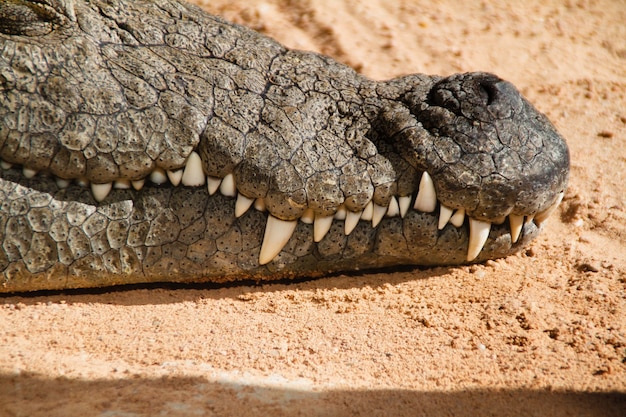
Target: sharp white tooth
point(379, 213)
point(321, 226)
point(62, 183)
point(458, 218)
point(340, 214)
point(101, 191)
point(213, 184)
point(29, 173)
point(175, 176)
point(541, 217)
point(158, 176)
point(227, 187)
point(138, 184)
point(193, 176)
point(259, 204)
point(308, 216)
point(516, 222)
point(393, 209)
point(122, 184)
point(529, 219)
point(277, 234)
point(479, 232)
point(405, 204)
point(83, 182)
point(445, 213)
point(5, 165)
point(352, 219)
point(368, 212)
point(242, 205)
point(426, 200)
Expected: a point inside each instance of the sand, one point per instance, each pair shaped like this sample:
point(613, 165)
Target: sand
point(539, 333)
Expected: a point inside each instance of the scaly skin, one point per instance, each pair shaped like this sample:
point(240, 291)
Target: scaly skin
point(103, 91)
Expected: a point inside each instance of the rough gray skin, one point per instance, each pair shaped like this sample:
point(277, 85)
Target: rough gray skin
point(109, 89)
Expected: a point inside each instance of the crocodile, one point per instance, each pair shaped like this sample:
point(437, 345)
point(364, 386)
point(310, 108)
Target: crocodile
point(149, 141)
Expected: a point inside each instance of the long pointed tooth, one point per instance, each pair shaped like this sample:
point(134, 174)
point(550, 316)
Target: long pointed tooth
point(175, 176)
point(28, 172)
point(138, 184)
point(158, 176)
point(193, 176)
point(394, 209)
point(5, 165)
point(426, 200)
point(213, 184)
point(101, 191)
point(121, 184)
point(62, 183)
point(529, 219)
point(458, 218)
point(242, 205)
point(516, 222)
point(228, 186)
point(445, 213)
point(542, 216)
point(379, 213)
point(259, 204)
point(321, 226)
point(405, 204)
point(479, 232)
point(368, 212)
point(277, 234)
point(308, 216)
point(352, 219)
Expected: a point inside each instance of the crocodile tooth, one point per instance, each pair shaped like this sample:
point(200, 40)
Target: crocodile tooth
point(175, 176)
point(242, 205)
point(368, 212)
point(529, 219)
point(394, 209)
point(259, 204)
point(379, 213)
point(193, 175)
point(542, 216)
point(158, 176)
point(5, 165)
point(28, 172)
point(101, 191)
point(445, 213)
point(62, 183)
point(138, 184)
point(516, 222)
point(277, 234)
point(321, 226)
point(227, 187)
point(426, 200)
point(340, 214)
point(479, 232)
point(352, 219)
point(405, 204)
point(458, 218)
point(83, 182)
point(308, 216)
point(122, 184)
point(213, 184)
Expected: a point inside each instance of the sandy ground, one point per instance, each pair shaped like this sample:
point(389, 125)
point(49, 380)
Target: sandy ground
point(540, 333)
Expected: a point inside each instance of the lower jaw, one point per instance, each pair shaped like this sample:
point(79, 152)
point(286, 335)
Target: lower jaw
point(181, 234)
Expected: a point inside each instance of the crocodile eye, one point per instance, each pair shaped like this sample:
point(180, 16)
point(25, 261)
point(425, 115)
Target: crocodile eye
point(28, 18)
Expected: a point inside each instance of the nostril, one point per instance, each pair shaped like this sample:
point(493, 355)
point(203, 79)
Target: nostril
point(488, 91)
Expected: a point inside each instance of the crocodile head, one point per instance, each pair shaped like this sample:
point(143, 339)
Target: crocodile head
point(143, 132)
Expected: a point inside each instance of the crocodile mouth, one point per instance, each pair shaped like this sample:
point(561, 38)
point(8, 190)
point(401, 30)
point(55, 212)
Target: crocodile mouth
point(278, 232)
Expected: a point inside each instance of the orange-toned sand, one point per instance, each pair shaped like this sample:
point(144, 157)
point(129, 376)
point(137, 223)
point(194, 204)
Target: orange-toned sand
point(542, 333)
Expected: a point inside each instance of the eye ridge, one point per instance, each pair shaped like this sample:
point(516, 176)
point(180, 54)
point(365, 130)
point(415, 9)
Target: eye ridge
point(27, 17)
